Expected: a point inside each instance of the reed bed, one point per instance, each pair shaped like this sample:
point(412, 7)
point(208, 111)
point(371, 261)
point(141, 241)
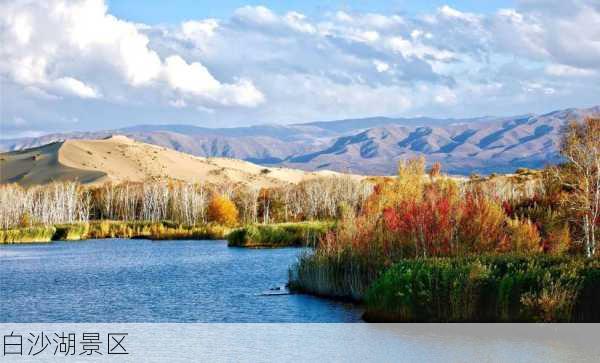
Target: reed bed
point(163, 230)
point(498, 288)
point(300, 234)
point(27, 235)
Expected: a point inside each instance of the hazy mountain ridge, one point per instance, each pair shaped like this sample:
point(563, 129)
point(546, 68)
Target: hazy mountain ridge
point(366, 146)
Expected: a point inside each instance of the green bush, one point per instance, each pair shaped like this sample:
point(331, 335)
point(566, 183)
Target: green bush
point(487, 289)
point(279, 235)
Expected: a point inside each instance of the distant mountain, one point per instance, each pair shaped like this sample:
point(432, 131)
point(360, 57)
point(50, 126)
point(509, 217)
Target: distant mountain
point(349, 125)
point(366, 146)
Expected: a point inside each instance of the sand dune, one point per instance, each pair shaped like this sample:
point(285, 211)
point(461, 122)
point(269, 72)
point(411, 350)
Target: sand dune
point(120, 158)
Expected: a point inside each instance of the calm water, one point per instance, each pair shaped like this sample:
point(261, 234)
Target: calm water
point(122, 281)
point(142, 281)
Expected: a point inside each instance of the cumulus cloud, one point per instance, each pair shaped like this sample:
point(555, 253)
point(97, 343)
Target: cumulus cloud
point(63, 60)
point(195, 80)
point(565, 32)
point(202, 28)
point(76, 87)
point(54, 45)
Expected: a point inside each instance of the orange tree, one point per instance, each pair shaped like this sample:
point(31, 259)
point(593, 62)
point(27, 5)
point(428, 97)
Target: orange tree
point(222, 210)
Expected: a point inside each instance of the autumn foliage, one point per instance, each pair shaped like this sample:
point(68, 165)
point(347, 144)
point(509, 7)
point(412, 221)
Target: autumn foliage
point(221, 210)
point(581, 175)
point(417, 216)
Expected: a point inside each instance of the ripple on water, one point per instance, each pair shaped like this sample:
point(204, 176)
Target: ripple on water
point(142, 281)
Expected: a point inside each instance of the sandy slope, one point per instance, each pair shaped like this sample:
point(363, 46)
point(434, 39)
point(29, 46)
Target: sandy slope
point(119, 158)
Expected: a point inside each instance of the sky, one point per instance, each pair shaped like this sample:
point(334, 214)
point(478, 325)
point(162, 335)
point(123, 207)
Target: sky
point(78, 65)
point(155, 12)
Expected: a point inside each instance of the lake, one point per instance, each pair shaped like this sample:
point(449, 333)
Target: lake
point(116, 280)
point(139, 281)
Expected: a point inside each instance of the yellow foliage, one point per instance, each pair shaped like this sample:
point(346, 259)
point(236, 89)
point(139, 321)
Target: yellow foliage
point(524, 236)
point(222, 211)
point(410, 180)
point(480, 223)
point(559, 240)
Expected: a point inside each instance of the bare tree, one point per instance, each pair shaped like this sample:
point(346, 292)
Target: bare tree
point(581, 148)
point(177, 201)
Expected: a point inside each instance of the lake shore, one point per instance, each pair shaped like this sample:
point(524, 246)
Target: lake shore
point(275, 235)
point(163, 230)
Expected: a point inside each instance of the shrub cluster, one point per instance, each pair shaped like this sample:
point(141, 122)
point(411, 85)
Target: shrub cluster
point(305, 234)
point(487, 289)
point(416, 216)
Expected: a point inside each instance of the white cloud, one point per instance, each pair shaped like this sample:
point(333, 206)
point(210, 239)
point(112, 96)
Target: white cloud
point(76, 87)
point(259, 65)
point(262, 17)
point(87, 28)
point(59, 46)
point(562, 70)
point(417, 49)
point(256, 14)
point(22, 28)
point(517, 33)
point(298, 22)
point(194, 79)
point(535, 87)
point(449, 12)
point(381, 66)
point(564, 33)
point(28, 70)
point(199, 28)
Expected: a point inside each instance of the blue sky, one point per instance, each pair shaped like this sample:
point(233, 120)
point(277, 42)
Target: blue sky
point(157, 12)
point(98, 64)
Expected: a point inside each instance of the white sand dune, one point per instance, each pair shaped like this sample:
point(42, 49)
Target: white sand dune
point(120, 158)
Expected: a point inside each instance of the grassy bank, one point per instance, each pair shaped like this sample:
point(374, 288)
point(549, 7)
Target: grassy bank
point(487, 289)
point(27, 235)
point(254, 236)
point(113, 229)
point(155, 230)
point(279, 235)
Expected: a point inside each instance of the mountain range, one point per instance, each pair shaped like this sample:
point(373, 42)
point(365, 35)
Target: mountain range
point(370, 146)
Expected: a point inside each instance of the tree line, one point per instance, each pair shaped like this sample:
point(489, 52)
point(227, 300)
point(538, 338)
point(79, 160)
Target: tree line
point(180, 202)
